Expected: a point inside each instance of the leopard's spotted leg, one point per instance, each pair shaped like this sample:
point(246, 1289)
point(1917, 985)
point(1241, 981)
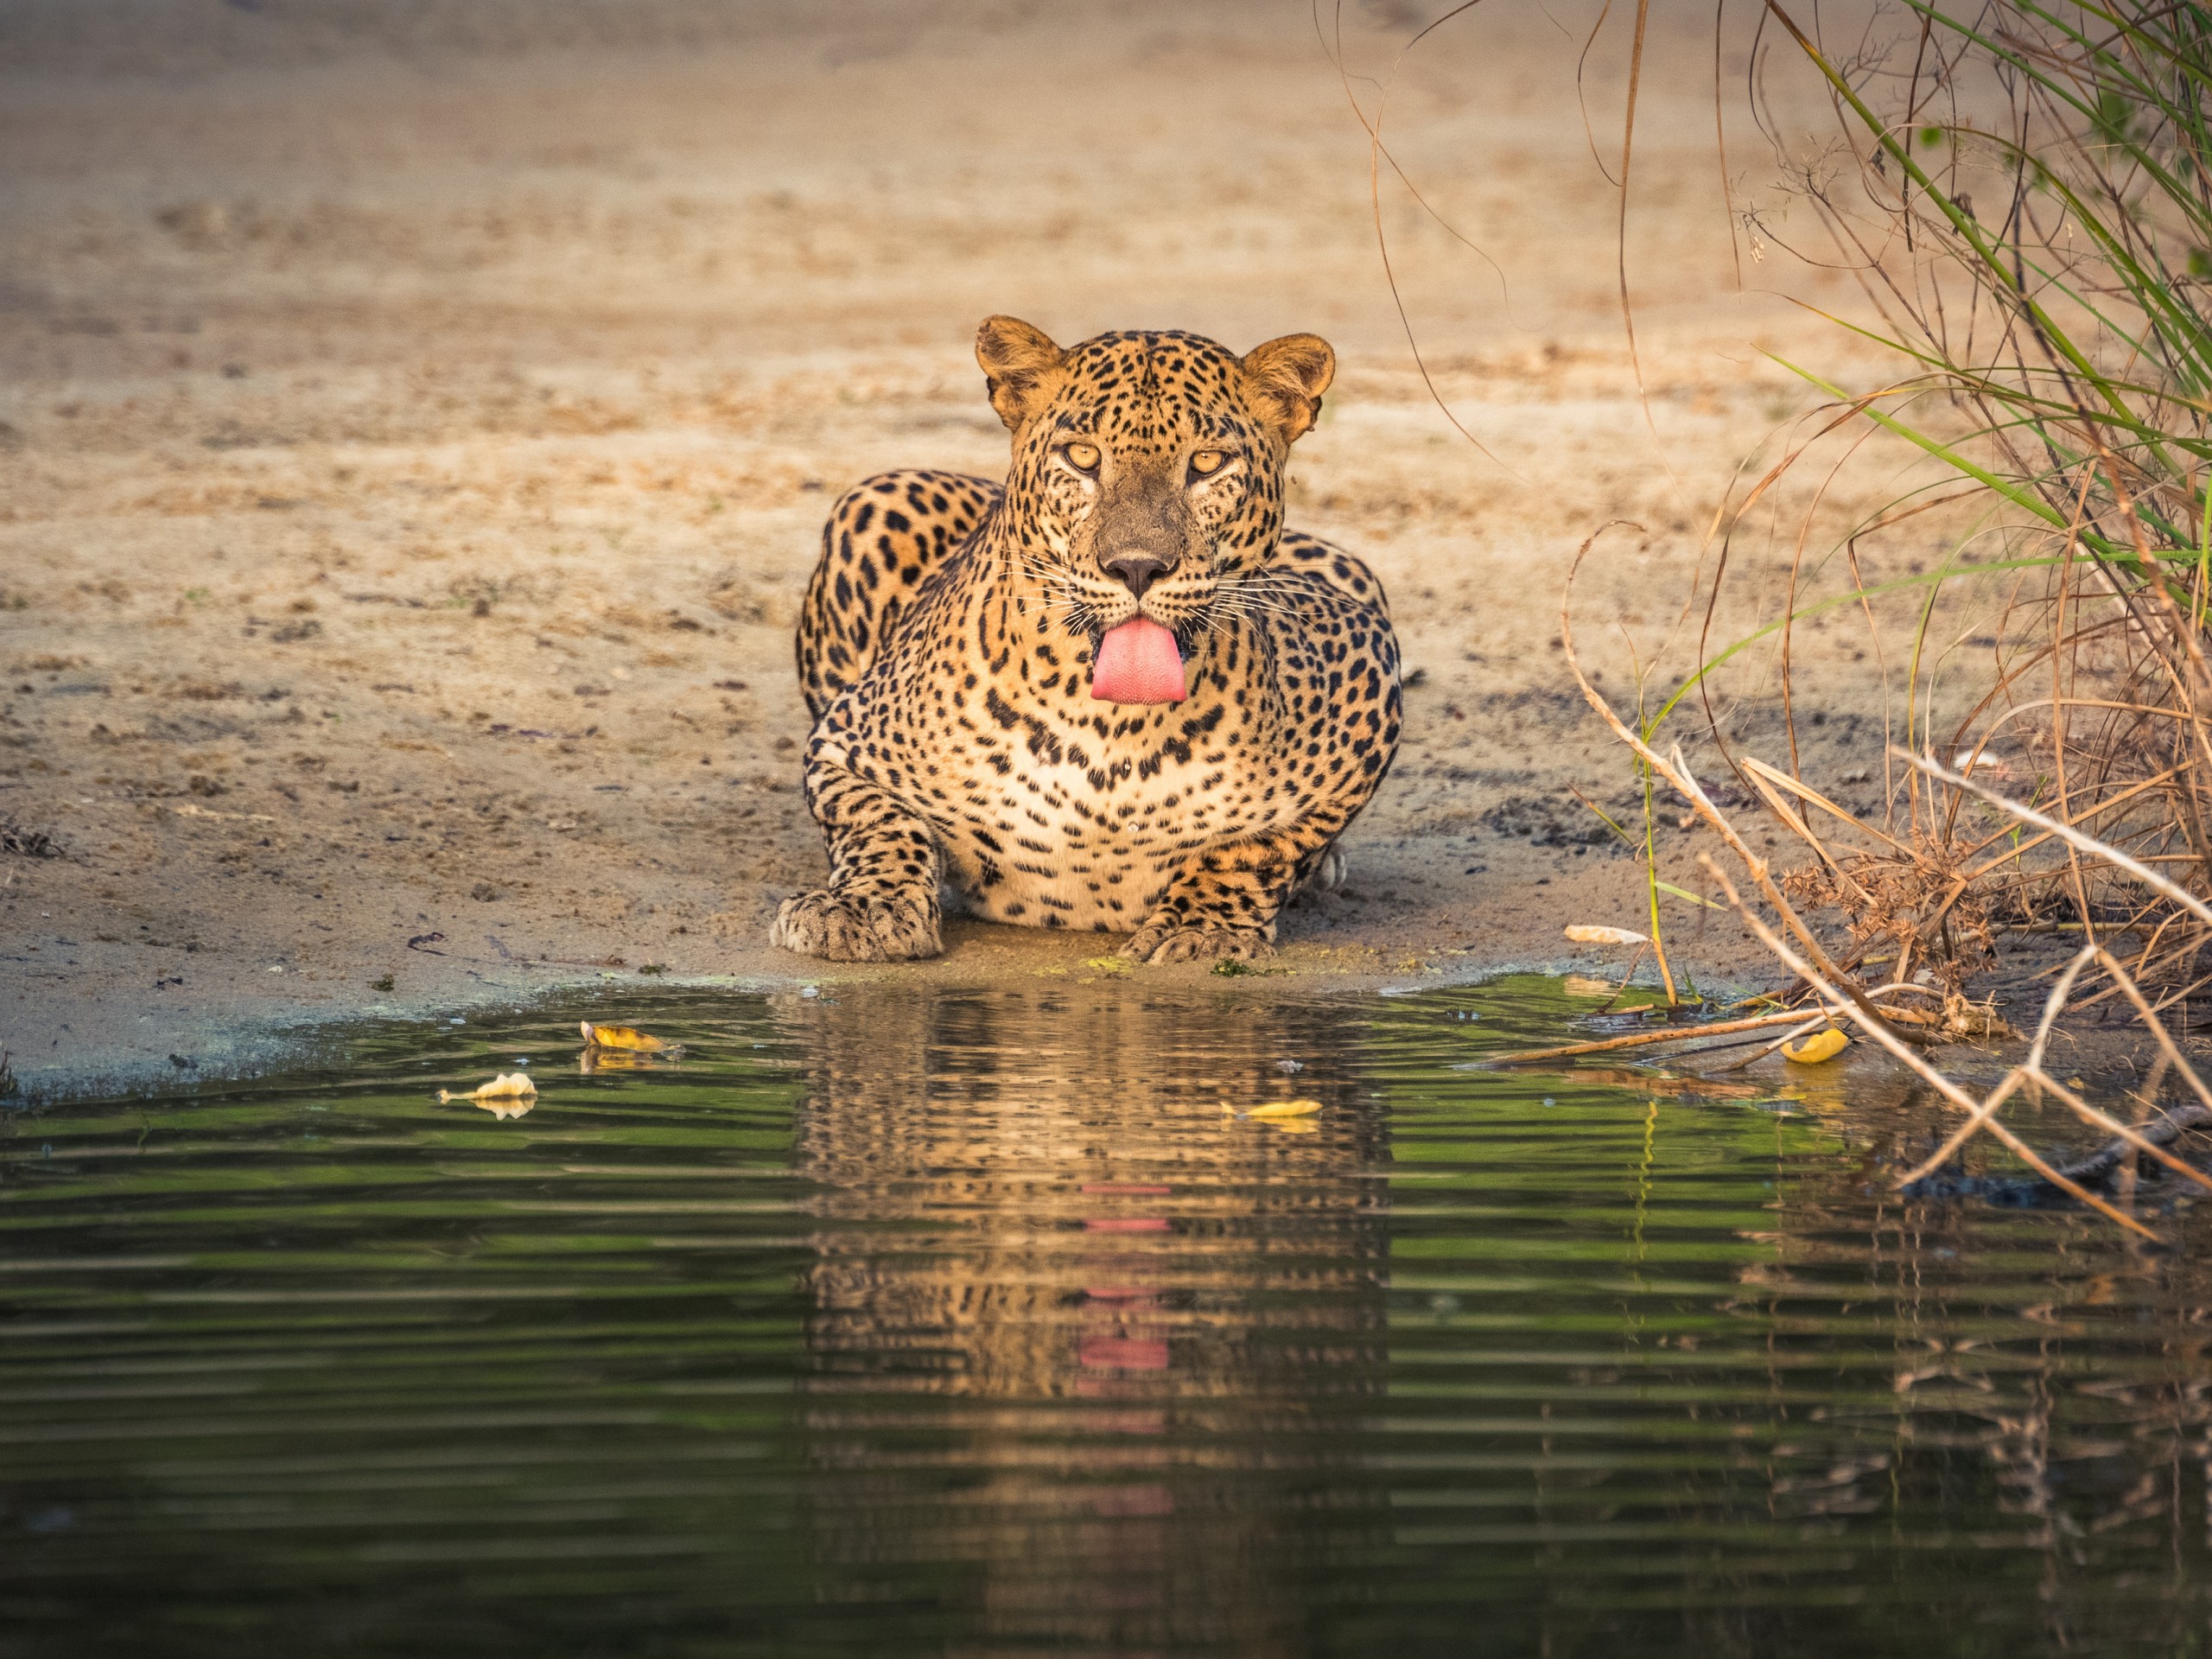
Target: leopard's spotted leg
point(882, 540)
point(881, 903)
point(1224, 902)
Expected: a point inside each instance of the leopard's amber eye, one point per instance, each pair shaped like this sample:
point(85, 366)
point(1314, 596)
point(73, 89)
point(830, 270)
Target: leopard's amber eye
point(1207, 461)
point(1083, 457)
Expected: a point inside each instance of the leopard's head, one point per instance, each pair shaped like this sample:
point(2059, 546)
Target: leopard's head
point(1148, 466)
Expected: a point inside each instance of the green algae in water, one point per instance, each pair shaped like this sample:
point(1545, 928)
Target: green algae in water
point(903, 1322)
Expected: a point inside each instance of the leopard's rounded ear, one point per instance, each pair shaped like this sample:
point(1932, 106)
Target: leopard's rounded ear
point(1284, 380)
point(1018, 363)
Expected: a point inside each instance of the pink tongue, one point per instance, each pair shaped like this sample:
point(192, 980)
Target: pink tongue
point(1138, 662)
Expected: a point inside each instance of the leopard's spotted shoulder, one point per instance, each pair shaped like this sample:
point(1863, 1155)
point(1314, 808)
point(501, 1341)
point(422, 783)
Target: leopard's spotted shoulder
point(1335, 668)
point(882, 540)
point(1310, 557)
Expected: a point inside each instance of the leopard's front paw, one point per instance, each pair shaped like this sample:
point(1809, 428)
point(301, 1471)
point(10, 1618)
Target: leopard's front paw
point(1173, 941)
point(849, 928)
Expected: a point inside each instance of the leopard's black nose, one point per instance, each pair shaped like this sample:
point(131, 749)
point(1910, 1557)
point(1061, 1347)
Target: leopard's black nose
point(1136, 571)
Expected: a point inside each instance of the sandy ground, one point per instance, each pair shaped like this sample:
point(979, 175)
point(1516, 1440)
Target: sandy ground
point(414, 432)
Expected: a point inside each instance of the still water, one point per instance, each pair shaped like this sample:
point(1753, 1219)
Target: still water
point(905, 1322)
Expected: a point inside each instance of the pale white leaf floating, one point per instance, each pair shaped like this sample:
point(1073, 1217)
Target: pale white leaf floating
point(1585, 933)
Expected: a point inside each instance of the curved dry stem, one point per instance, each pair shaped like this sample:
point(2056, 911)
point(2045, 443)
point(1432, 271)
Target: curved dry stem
point(1871, 1022)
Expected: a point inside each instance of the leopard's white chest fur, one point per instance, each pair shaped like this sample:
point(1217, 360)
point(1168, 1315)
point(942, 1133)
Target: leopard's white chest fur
point(1044, 822)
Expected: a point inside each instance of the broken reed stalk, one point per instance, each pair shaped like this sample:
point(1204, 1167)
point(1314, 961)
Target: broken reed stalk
point(1881, 1032)
point(2032, 1070)
point(2065, 832)
point(1677, 772)
point(1981, 1115)
point(1792, 1017)
point(1645, 1039)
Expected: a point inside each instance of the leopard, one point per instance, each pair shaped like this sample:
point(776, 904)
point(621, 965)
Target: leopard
point(1113, 694)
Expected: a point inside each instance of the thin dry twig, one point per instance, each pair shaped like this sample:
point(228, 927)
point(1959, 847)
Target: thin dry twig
point(1644, 1039)
point(2065, 832)
point(1881, 1031)
point(1677, 772)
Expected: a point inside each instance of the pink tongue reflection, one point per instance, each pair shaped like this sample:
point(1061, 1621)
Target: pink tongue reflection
point(1138, 662)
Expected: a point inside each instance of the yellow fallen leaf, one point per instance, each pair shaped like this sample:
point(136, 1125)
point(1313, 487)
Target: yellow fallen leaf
point(1283, 1109)
point(1821, 1045)
point(509, 1086)
point(622, 1037)
point(1583, 933)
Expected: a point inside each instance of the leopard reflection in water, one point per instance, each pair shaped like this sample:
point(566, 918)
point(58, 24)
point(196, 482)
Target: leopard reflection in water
point(1075, 1334)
